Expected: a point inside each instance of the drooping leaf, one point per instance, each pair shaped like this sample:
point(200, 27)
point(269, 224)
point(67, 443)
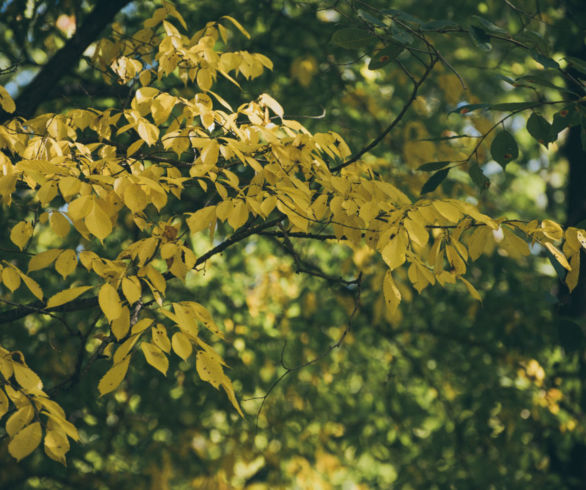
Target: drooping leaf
point(480, 38)
point(504, 148)
point(539, 128)
point(434, 181)
point(478, 177)
point(385, 55)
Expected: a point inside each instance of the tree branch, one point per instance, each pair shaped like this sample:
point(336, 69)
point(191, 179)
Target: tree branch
point(390, 127)
point(65, 59)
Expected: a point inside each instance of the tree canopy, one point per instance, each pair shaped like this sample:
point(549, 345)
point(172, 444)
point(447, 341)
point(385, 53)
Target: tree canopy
point(292, 244)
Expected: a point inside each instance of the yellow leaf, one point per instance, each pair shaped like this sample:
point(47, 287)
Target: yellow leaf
point(79, 208)
point(135, 198)
point(394, 252)
point(113, 377)
point(155, 357)
point(10, 278)
point(160, 338)
point(417, 231)
point(209, 368)
point(181, 345)
point(6, 101)
point(69, 186)
point(204, 80)
point(161, 107)
point(552, 230)
point(201, 219)
point(98, 222)
point(239, 214)
point(27, 378)
point(25, 441)
point(237, 25)
point(448, 211)
point(32, 285)
point(134, 147)
point(109, 302)
point(559, 256)
point(59, 224)
point(131, 289)
point(391, 292)
point(209, 154)
point(572, 275)
point(19, 419)
point(66, 263)
point(471, 289)
point(148, 132)
point(227, 385)
point(157, 279)
point(43, 259)
point(4, 403)
point(121, 325)
point(56, 445)
point(66, 296)
point(272, 104)
point(147, 249)
point(21, 234)
point(141, 326)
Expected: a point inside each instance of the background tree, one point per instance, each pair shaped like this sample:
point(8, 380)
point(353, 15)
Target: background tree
point(460, 383)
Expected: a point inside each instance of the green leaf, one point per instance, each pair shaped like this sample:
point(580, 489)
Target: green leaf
point(434, 181)
point(398, 33)
point(577, 63)
point(352, 38)
point(511, 106)
point(540, 129)
point(432, 166)
point(487, 25)
point(440, 25)
point(504, 148)
point(544, 60)
point(478, 176)
point(480, 38)
point(565, 118)
point(385, 55)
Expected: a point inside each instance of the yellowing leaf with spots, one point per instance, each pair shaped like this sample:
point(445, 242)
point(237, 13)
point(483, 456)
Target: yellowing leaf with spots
point(66, 263)
point(56, 445)
point(21, 234)
point(155, 357)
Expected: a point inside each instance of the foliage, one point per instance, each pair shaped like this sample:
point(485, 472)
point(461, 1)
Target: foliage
point(125, 210)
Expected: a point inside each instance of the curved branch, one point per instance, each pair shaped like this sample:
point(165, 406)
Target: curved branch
point(354, 158)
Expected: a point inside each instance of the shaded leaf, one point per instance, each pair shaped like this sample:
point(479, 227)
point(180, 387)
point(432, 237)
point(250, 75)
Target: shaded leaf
point(434, 181)
point(504, 148)
point(432, 166)
point(352, 38)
